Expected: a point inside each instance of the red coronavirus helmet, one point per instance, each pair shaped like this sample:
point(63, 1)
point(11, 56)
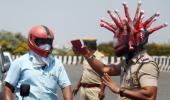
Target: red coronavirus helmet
point(40, 35)
point(131, 35)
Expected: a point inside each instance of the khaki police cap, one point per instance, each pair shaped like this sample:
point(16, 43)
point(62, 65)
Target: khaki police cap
point(89, 39)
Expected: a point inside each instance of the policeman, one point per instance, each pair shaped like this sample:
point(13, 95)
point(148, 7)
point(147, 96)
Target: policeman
point(138, 72)
point(90, 81)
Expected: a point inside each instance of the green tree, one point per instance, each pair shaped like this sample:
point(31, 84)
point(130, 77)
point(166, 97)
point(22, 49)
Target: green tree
point(13, 42)
point(21, 48)
point(106, 48)
point(158, 49)
point(153, 49)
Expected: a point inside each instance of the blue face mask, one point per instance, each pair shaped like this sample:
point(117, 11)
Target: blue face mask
point(39, 61)
point(45, 47)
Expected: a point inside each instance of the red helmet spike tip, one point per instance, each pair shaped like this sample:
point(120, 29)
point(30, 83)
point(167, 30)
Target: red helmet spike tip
point(157, 28)
point(109, 24)
point(117, 13)
point(137, 10)
point(149, 24)
point(127, 14)
point(151, 18)
point(107, 27)
point(115, 20)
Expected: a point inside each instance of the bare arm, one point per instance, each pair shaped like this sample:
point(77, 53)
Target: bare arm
point(101, 68)
point(7, 93)
point(144, 93)
point(67, 94)
point(97, 65)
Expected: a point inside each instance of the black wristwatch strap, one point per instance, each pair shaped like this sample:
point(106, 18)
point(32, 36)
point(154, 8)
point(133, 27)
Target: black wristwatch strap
point(121, 92)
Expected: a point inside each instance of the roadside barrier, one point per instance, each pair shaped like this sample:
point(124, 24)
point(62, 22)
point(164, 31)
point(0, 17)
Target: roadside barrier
point(162, 61)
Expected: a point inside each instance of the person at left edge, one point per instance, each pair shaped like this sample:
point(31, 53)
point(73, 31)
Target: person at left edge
point(39, 69)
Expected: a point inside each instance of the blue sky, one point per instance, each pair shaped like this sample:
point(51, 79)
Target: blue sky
point(71, 19)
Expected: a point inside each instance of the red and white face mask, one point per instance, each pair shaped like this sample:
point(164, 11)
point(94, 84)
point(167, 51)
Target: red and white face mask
point(130, 34)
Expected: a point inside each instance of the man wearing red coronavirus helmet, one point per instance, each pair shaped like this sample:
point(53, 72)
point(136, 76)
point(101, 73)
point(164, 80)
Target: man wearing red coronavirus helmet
point(138, 72)
point(36, 74)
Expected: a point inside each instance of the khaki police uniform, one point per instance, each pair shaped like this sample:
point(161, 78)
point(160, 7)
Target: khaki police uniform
point(140, 72)
point(91, 77)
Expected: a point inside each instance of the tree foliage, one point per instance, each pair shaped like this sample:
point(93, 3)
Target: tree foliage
point(153, 49)
point(14, 43)
point(63, 51)
point(106, 48)
point(158, 49)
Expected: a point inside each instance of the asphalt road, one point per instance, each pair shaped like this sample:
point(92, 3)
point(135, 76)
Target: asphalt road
point(74, 72)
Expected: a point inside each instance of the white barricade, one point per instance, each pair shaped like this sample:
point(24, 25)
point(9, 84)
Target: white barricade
point(162, 61)
point(69, 60)
point(64, 59)
point(75, 60)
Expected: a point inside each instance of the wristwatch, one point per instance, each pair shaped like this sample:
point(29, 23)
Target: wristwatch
point(121, 92)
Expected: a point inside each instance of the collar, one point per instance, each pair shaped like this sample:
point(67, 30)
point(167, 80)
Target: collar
point(39, 61)
point(141, 57)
